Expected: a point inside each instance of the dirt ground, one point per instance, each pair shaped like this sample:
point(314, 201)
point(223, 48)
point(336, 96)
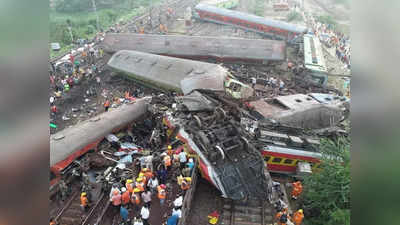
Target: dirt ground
point(206, 199)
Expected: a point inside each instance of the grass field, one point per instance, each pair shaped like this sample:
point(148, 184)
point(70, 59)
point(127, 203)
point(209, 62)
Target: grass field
point(84, 26)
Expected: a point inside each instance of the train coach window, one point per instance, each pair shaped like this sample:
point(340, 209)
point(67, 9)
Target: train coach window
point(267, 158)
point(277, 160)
point(288, 161)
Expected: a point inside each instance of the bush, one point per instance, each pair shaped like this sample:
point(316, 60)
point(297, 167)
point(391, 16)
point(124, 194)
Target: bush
point(292, 16)
point(327, 193)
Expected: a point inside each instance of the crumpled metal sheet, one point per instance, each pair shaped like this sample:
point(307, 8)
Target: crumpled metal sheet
point(196, 102)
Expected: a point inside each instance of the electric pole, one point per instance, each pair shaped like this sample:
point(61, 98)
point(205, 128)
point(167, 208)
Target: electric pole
point(97, 15)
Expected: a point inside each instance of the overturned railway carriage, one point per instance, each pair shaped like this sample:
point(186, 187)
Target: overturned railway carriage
point(226, 159)
point(71, 143)
point(222, 49)
point(180, 75)
point(272, 28)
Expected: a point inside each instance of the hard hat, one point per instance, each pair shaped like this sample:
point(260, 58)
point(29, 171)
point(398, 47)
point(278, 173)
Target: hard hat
point(123, 189)
point(169, 147)
point(136, 190)
point(163, 154)
point(139, 179)
point(163, 186)
point(129, 181)
point(145, 169)
point(83, 194)
point(190, 160)
point(141, 174)
point(188, 179)
point(301, 210)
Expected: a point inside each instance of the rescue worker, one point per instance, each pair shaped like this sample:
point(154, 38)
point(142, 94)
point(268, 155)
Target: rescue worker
point(125, 197)
point(52, 221)
point(113, 189)
point(191, 164)
point(182, 159)
point(297, 189)
point(148, 174)
point(298, 217)
point(145, 214)
point(84, 202)
point(116, 200)
point(124, 214)
point(63, 190)
point(186, 184)
point(169, 151)
point(137, 221)
point(129, 186)
point(66, 87)
point(135, 199)
point(282, 217)
point(139, 184)
point(146, 196)
point(152, 184)
point(173, 220)
point(162, 174)
point(106, 105)
point(186, 171)
point(178, 202)
point(162, 194)
point(167, 161)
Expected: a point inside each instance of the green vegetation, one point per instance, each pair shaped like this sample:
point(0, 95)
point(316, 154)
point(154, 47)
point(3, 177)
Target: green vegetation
point(327, 193)
point(294, 16)
point(78, 14)
point(335, 25)
point(259, 7)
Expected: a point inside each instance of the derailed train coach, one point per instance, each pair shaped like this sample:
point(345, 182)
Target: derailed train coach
point(272, 28)
point(179, 75)
point(72, 143)
point(221, 49)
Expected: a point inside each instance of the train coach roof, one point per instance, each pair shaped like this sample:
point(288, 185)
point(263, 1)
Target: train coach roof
point(252, 18)
point(192, 46)
point(183, 74)
point(69, 140)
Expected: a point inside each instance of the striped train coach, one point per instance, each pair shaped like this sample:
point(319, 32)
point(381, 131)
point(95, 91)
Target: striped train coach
point(273, 28)
point(284, 160)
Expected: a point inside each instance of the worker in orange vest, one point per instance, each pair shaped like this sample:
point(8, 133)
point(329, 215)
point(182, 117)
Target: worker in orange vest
point(129, 186)
point(297, 189)
point(106, 105)
point(135, 199)
point(139, 184)
point(125, 197)
point(52, 221)
point(169, 151)
point(147, 173)
point(162, 194)
point(84, 201)
point(298, 217)
point(282, 217)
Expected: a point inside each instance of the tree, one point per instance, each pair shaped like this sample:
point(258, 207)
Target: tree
point(327, 193)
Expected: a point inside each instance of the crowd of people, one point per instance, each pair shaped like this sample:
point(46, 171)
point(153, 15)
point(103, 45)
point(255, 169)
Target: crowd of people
point(154, 180)
point(333, 39)
point(282, 216)
point(67, 74)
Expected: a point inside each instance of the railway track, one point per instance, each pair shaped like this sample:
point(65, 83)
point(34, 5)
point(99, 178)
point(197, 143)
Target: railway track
point(72, 214)
point(251, 212)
